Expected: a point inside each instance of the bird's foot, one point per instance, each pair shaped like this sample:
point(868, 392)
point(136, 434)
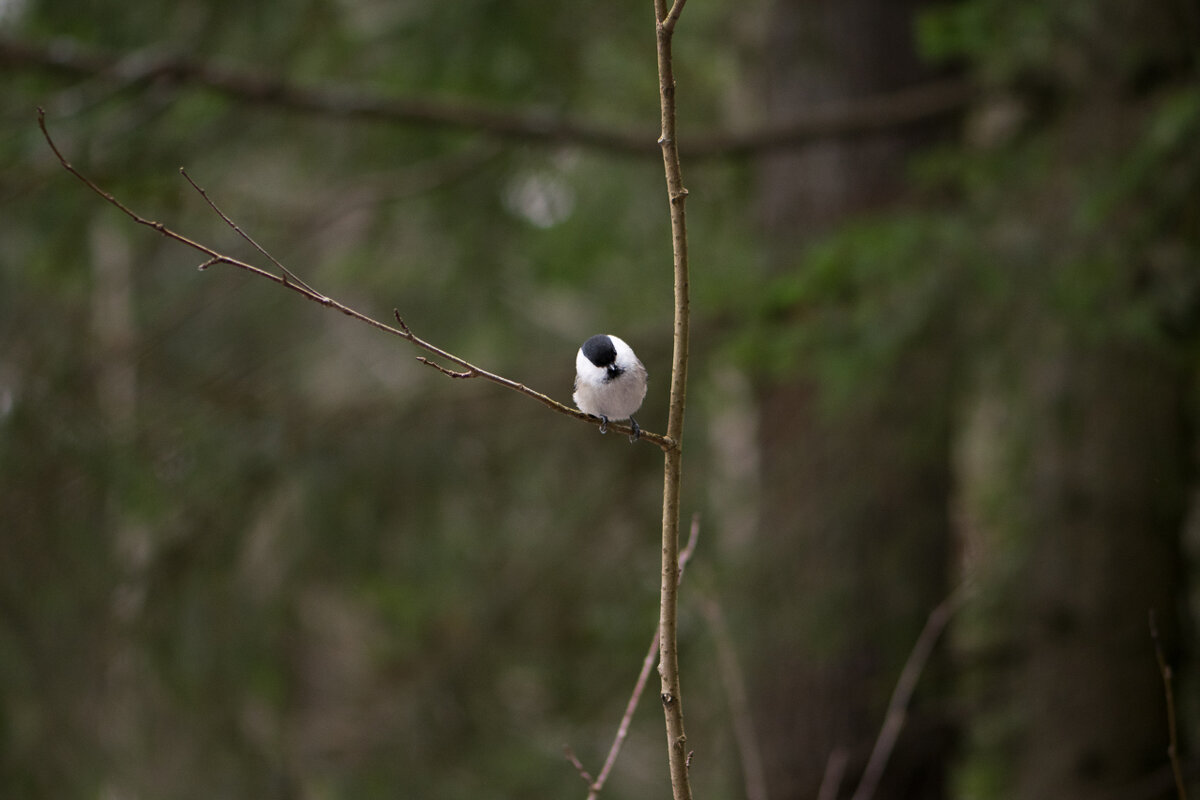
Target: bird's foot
point(603, 424)
point(637, 430)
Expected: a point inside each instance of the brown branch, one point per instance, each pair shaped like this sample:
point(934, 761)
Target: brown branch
point(595, 786)
point(1172, 733)
point(289, 281)
point(678, 755)
point(859, 117)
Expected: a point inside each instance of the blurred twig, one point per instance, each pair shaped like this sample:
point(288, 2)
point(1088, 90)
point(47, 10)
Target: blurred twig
point(739, 705)
point(897, 710)
point(289, 281)
point(844, 119)
point(835, 768)
point(1172, 733)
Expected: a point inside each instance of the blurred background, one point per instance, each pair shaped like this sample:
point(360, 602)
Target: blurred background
point(946, 311)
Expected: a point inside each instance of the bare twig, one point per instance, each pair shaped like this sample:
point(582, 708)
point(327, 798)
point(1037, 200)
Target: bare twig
point(846, 119)
point(289, 281)
point(468, 373)
point(897, 710)
point(639, 687)
point(739, 706)
point(1172, 733)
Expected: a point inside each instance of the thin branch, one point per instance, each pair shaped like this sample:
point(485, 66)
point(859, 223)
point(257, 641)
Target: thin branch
point(846, 119)
point(1172, 733)
point(678, 755)
point(594, 787)
point(897, 710)
point(292, 283)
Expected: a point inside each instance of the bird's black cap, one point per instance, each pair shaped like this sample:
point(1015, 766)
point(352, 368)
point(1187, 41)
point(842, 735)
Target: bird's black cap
point(599, 350)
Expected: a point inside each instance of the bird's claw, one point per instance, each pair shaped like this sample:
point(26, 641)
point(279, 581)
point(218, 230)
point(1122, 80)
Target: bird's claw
point(603, 424)
point(637, 430)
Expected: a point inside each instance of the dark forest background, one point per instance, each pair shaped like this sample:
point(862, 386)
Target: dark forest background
point(946, 285)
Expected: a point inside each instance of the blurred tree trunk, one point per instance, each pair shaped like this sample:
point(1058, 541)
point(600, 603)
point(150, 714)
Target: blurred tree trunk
point(1074, 458)
point(854, 521)
point(1073, 468)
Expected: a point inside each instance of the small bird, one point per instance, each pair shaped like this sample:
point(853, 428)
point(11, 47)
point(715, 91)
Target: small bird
point(610, 382)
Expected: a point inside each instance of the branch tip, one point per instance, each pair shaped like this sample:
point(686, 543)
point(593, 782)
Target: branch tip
point(575, 762)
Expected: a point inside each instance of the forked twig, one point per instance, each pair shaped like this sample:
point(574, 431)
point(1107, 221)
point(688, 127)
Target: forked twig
point(289, 281)
point(672, 16)
point(447, 372)
point(238, 230)
point(594, 786)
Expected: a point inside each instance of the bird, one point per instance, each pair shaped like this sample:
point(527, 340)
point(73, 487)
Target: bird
point(610, 381)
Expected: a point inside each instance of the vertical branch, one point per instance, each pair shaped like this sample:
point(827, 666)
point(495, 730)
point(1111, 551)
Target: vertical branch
point(668, 662)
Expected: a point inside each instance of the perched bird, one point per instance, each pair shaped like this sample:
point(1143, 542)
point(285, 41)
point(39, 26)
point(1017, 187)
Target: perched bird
point(610, 382)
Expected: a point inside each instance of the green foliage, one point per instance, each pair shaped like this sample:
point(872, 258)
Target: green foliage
point(1072, 45)
point(856, 301)
point(1004, 39)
